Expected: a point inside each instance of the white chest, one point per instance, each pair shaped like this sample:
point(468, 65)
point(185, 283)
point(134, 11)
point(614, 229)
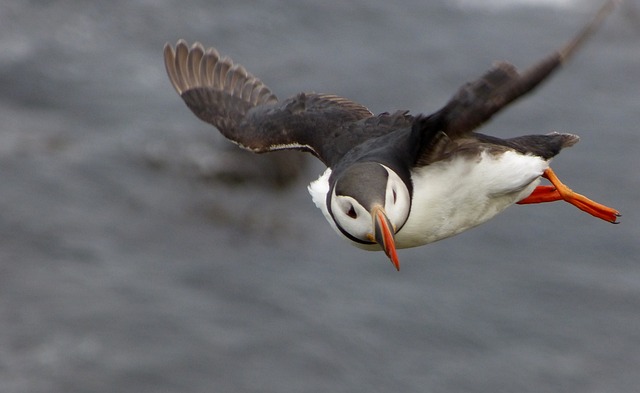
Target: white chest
point(453, 196)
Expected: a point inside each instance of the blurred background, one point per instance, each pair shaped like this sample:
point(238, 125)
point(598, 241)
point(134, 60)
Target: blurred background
point(141, 252)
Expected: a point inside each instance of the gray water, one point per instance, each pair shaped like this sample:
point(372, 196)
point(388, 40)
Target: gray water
point(139, 252)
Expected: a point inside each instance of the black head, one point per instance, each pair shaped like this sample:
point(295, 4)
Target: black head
point(369, 203)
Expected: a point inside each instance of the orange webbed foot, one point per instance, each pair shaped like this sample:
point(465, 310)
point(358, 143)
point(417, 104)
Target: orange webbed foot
point(559, 191)
point(541, 194)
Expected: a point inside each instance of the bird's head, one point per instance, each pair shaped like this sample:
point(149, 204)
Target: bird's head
point(369, 204)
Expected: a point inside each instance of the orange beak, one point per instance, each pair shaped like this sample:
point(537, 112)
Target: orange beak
point(383, 234)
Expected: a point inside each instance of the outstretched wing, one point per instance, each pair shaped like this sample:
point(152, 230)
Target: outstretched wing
point(476, 102)
point(246, 111)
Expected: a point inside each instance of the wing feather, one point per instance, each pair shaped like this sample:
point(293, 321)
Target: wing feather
point(245, 110)
point(476, 102)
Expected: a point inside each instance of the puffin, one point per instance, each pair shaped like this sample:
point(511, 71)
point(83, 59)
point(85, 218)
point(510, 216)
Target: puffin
point(393, 180)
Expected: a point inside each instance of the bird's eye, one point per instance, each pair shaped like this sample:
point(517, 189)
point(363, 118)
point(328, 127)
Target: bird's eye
point(394, 196)
point(352, 212)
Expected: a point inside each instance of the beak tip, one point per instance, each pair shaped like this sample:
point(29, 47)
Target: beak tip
point(385, 237)
point(393, 256)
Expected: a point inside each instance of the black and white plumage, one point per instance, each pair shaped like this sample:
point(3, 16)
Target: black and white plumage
point(393, 180)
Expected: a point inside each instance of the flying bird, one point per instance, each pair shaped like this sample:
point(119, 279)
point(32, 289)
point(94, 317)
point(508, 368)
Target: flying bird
point(393, 180)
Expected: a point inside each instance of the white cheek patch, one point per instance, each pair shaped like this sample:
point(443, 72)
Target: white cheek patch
point(319, 190)
point(398, 200)
point(351, 216)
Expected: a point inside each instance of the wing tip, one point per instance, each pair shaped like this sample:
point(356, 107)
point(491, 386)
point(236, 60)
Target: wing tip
point(566, 52)
point(193, 66)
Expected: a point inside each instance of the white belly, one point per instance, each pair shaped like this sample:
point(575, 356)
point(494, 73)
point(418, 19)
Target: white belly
point(452, 196)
